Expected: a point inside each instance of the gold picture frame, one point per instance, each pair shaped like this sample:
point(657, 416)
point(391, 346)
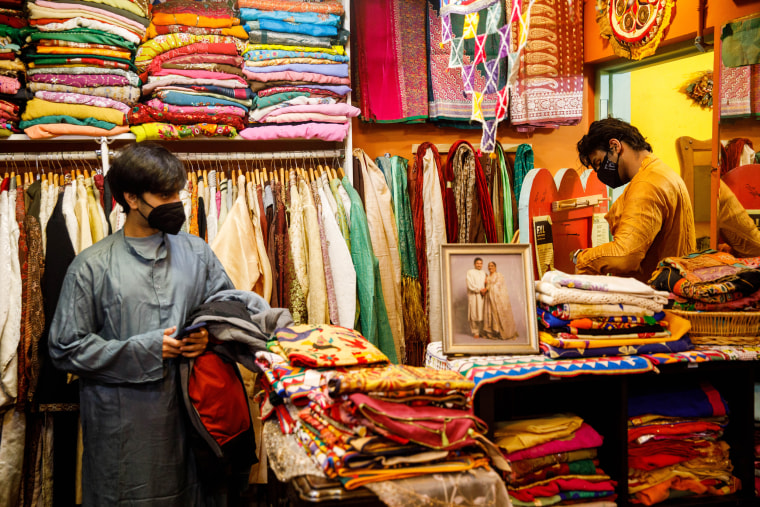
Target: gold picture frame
point(508, 287)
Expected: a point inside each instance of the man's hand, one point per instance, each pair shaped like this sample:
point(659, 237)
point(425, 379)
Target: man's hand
point(483, 292)
point(193, 345)
point(171, 347)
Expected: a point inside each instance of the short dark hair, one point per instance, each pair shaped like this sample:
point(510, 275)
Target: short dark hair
point(477, 259)
point(144, 167)
point(601, 131)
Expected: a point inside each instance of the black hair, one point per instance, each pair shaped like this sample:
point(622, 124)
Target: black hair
point(144, 167)
point(492, 262)
point(601, 131)
point(477, 259)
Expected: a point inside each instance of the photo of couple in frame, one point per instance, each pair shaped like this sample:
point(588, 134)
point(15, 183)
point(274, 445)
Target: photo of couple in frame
point(488, 299)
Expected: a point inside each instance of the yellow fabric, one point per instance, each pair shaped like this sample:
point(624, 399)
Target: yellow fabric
point(61, 50)
point(14, 64)
point(596, 344)
point(651, 220)
point(133, 7)
point(163, 43)
point(678, 326)
point(287, 61)
point(235, 246)
point(316, 299)
point(44, 131)
point(334, 50)
point(37, 108)
point(81, 212)
point(266, 279)
point(165, 18)
point(234, 31)
point(735, 226)
point(96, 226)
point(515, 436)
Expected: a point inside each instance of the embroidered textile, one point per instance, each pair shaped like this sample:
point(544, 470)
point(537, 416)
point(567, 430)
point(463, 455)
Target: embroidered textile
point(396, 377)
point(325, 345)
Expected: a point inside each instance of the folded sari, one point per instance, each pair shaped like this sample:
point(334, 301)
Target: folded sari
point(127, 94)
point(556, 485)
point(154, 31)
point(84, 35)
point(580, 467)
point(48, 130)
point(326, 345)
point(145, 114)
point(160, 105)
point(157, 83)
point(396, 377)
point(323, 131)
point(601, 283)
point(168, 132)
point(312, 90)
point(103, 61)
point(58, 50)
point(324, 7)
point(163, 43)
point(521, 434)
point(310, 77)
point(584, 438)
point(680, 345)
point(194, 48)
point(166, 18)
point(250, 14)
point(525, 466)
point(80, 80)
point(335, 49)
point(76, 98)
point(62, 118)
point(549, 294)
point(256, 36)
point(37, 108)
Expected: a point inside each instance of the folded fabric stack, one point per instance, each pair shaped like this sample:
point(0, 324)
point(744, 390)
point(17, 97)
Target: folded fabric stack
point(554, 462)
point(597, 316)
point(81, 68)
point(675, 447)
point(194, 85)
point(368, 421)
point(710, 281)
point(296, 64)
point(13, 93)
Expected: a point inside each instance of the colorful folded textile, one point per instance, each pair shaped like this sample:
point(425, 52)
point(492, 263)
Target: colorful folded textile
point(168, 132)
point(650, 350)
point(584, 438)
point(396, 377)
point(325, 345)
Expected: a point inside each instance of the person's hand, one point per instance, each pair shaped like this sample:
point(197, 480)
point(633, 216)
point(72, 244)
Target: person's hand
point(194, 344)
point(483, 292)
point(171, 346)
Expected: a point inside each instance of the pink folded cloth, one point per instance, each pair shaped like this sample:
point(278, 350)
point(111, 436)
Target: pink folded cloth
point(323, 131)
point(585, 438)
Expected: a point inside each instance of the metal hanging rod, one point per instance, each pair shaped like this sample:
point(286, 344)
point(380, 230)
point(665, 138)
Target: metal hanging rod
point(50, 156)
point(277, 155)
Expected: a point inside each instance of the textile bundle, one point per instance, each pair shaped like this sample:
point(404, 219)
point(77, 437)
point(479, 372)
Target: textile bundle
point(710, 281)
point(675, 445)
point(81, 68)
point(297, 69)
point(191, 69)
point(13, 93)
point(554, 461)
point(597, 316)
point(362, 420)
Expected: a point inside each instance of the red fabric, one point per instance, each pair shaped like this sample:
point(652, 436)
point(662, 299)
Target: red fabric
point(484, 197)
point(446, 175)
point(713, 396)
point(415, 181)
point(218, 395)
point(434, 427)
point(146, 114)
point(585, 438)
point(13, 21)
point(684, 428)
point(555, 486)
point(220, 48)
point(661, 453)
point(548, 472)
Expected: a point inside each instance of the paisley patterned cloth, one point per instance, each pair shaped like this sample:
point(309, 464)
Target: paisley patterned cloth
point(396, 377)
point(325, 345)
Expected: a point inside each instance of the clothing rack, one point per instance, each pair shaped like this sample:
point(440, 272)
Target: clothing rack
point(275, 155)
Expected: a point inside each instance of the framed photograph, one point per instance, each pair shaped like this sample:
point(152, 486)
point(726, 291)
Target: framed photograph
point(489, 304)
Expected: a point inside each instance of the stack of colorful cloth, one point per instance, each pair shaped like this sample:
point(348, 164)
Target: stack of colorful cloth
point(554, 462)
point(675, 447)
point(597, 316)
point(367, 421)
point(13, 93)
point(191, 70)
point(296, 64)
point(710, 281)
point(81, 66)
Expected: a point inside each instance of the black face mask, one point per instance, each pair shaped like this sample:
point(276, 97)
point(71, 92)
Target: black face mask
point(608, 173)
point(167, 217)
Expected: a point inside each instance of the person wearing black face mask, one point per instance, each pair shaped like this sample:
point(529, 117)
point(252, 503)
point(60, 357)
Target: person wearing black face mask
point(115, 325)
point(653, 217)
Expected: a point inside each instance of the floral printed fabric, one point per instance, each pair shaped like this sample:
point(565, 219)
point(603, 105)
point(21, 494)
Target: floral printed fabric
point(145, 114)
point(325, 7)
point(397, 377)
point(167, 132)
point(76, 98)
point(325, 345)
point(127, 94)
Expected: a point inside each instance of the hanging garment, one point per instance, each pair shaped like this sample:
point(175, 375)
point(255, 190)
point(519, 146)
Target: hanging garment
point(435, 236)
point(373, 316)
point(10, 304)
point(235, 247)
point(212, 214)
point(81, 212)
point(316, 299)
point(69, 214)
point(382, 228)
point(266, 267)
point(298, 248)
point(340, 256)
point(473, 202)
point(332, 302)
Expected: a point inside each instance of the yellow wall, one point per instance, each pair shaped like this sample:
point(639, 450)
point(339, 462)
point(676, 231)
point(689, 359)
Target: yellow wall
point(662, 112)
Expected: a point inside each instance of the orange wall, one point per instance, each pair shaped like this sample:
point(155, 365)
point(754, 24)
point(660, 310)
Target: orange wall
point(553, 149)
point(683, 26)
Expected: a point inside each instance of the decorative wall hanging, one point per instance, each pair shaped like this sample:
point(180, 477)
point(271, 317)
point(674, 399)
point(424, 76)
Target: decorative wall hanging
point(634, 27)
point(480, 32)
point(699, 89)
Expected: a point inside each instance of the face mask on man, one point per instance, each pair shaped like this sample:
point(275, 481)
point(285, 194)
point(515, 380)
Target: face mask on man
point(167, 217)
point(608, 173)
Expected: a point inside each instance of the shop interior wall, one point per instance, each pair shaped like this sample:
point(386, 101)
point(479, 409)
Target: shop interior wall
point(662, 111)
